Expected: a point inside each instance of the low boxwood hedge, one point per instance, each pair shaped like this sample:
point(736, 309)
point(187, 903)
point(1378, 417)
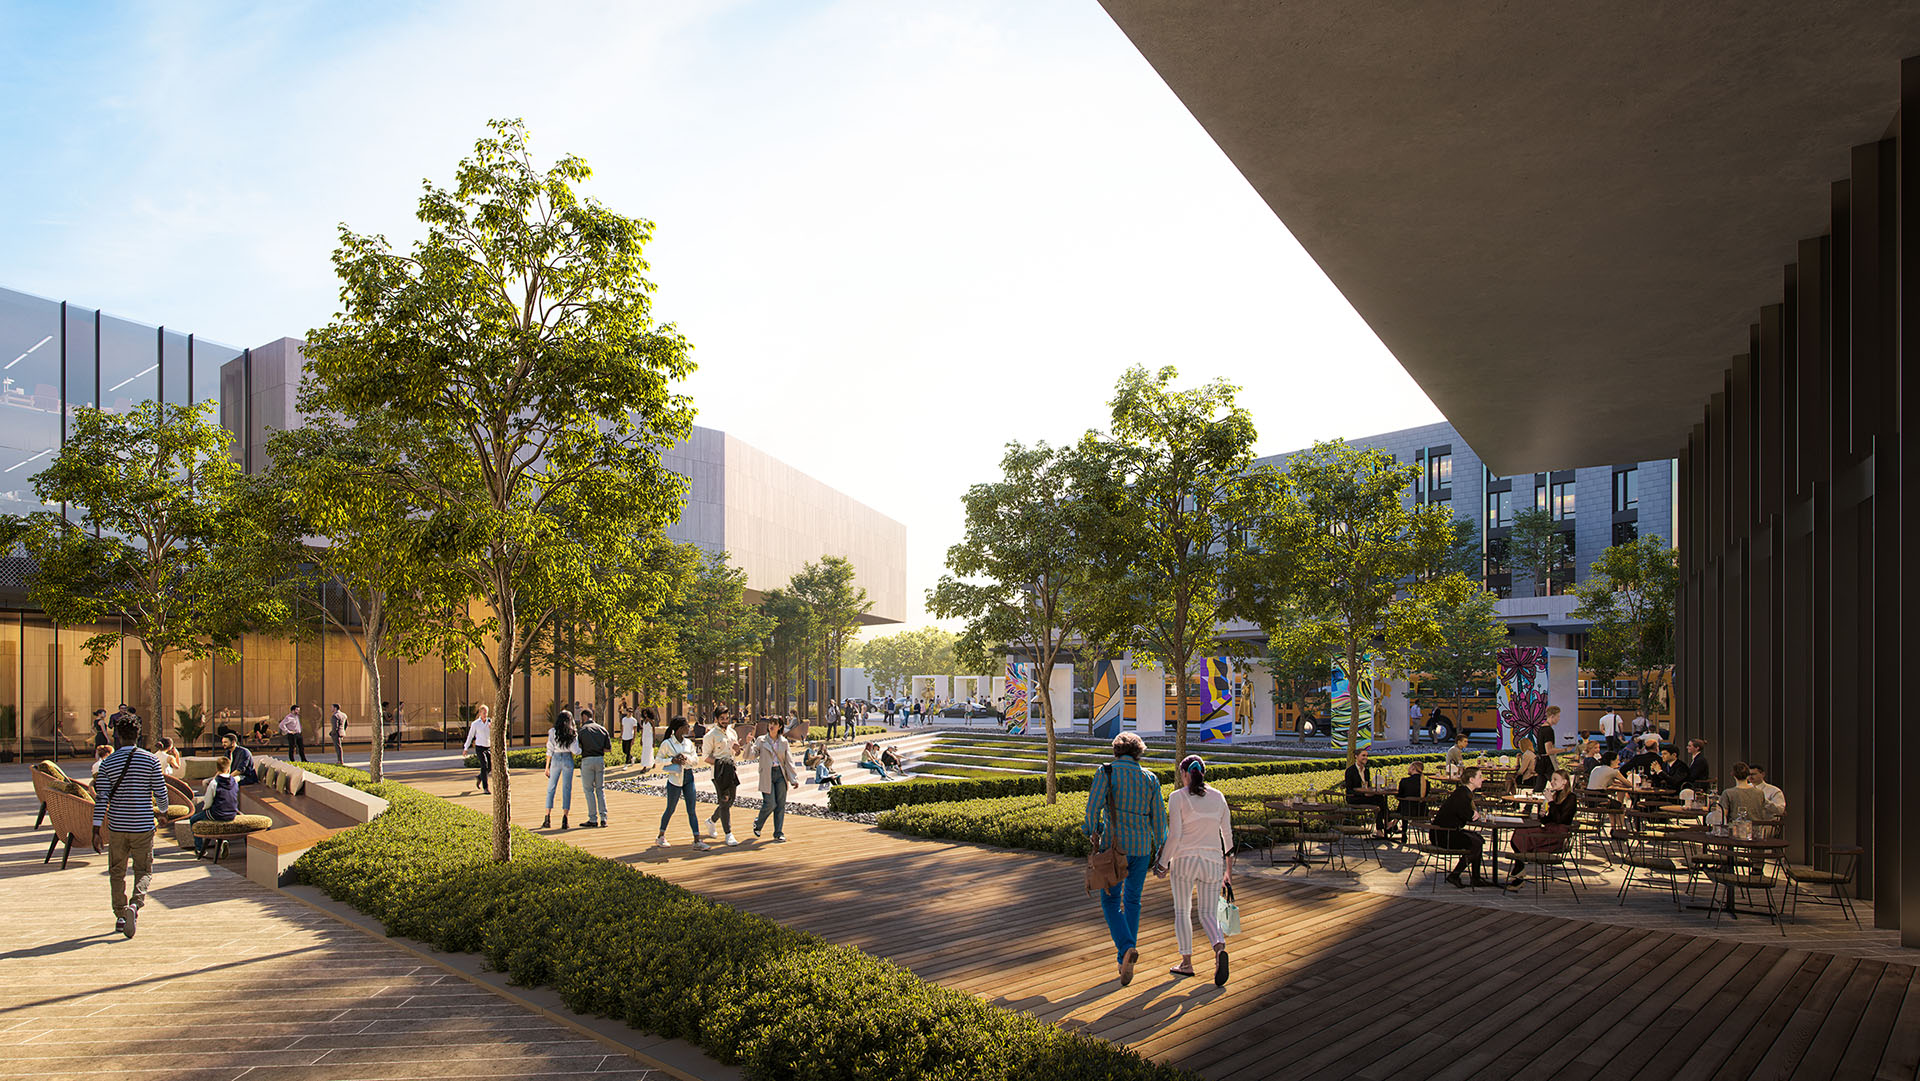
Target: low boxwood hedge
point(616, 943)
point(870, 799)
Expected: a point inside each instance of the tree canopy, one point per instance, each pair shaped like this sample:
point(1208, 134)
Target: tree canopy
point(891, 660)
point(1630, 595)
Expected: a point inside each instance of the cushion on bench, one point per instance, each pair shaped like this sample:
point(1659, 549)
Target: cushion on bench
point(50, 768)
point(239, 825)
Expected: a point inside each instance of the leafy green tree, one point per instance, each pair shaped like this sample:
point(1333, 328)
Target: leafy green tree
point(891, 660)
point(1177, 490)
point(1449, 632)
point(1355, 551)
point(837, 605)
point(160, 537)
point(632, 645)
point(1539, 546)
point(1019, 576)
point(370, 573)
point(787, 645)
point(718, 629)
point(1630, 596)
point(516, 347)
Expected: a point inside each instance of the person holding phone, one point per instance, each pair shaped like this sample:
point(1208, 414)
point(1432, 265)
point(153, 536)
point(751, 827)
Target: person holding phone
point(679, 751)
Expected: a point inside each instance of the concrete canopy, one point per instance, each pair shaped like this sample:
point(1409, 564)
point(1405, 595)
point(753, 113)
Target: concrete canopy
point(1561, 219)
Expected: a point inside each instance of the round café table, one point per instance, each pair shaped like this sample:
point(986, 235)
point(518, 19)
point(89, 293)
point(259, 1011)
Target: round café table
point(1768, 848)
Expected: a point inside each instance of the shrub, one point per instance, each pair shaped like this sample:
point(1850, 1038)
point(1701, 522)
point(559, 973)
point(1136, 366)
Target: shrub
point(873, 798)
point(617, 943)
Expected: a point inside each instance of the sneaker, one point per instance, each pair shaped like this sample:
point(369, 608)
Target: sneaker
point(713, 830)
point(120, 925)
point(662, 842)
point(133, 921)
point(701, 846)
point(731, 841)
point(780, 837)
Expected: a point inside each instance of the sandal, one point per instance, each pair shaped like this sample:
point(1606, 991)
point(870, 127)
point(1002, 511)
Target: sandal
point(1178, 971)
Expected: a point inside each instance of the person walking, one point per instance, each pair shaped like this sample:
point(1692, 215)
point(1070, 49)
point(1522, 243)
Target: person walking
point(776, 776)
point(563, 750)
point(480, 745)
point(1137, 823)
point(627, 724)
point(102, 729)
point(337, 732)
point(649, 722)
point(847, 714)
point(1199, 855)
point(291, 728)
point(718, 750)
point(595, 742)
point(680, 751)
point(129, 785)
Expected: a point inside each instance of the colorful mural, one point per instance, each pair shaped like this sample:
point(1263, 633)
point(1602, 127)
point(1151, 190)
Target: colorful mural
point(1216, 725)
point(1017, 690)
point(1521, 701)
point(1107, 701)
point(1346, 718)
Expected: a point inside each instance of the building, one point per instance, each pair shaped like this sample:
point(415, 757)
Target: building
point(57, 357)
point(1595, 507)
point(1621, 234)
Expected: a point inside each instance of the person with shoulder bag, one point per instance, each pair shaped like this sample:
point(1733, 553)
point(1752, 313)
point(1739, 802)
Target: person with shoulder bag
point(129, 786)
point(1199, 855)
point(1125, 817)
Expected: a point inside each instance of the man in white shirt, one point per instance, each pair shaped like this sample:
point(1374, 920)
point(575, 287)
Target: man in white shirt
point(627, 728)
point(291, 728)
point(1413, 720)
point(480, 745)
point(1610, 724)
point(1776, 799)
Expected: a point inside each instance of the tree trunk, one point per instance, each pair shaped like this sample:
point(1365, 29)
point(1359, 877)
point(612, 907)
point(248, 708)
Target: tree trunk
point(502, 716)
point(376, 757)
point(1180, 712)
point(1353, 699)
point(150, 732)
point(1046, 703)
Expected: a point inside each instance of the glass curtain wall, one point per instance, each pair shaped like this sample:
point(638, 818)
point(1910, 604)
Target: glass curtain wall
point(11, 742)
point(30, 395)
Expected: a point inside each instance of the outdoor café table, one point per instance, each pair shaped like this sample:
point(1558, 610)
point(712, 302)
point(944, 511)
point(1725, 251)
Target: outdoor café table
point(1681, 810)
point(1494, 823)
point(1293, 812)
point(1767, 848)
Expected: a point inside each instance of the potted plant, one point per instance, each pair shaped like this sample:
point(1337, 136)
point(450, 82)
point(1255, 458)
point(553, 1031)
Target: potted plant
point(190, 723)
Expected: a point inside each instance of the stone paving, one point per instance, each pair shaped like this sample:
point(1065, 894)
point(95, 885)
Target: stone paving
point(226, 980)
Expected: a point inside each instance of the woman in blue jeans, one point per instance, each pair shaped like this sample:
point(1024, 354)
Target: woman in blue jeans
point(680, 752)
point(563, 750)
point(776, 775)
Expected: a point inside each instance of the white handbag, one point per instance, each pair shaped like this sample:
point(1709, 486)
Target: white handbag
point(1226, 913)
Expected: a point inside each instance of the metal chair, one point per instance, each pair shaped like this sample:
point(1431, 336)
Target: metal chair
point(1801, 875)
point(1549, 860)
point(1656, 861)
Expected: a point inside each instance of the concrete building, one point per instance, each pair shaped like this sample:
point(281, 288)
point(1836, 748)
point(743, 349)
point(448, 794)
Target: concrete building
point(57, 357)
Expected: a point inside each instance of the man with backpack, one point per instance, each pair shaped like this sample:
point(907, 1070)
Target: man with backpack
point(129, 785)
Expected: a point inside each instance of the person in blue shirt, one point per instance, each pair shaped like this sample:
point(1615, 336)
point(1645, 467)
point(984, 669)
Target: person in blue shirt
point(241, 758)
point(129, 786)
point(1138, 824)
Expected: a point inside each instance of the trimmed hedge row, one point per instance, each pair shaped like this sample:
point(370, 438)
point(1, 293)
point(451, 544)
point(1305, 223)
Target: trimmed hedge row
point(536, 757)
point(869, 799)
point(617, 943)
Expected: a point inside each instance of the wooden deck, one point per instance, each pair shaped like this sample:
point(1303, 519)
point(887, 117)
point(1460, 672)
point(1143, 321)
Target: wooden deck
point(1327, 983)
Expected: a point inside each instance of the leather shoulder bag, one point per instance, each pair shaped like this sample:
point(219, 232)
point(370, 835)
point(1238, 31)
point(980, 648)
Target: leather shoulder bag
point(1106, 860)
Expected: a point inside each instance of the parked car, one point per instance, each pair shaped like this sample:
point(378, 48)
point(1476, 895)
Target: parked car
point(976, 711)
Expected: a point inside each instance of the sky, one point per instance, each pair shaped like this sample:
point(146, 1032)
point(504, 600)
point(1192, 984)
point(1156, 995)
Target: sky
point(899, 233)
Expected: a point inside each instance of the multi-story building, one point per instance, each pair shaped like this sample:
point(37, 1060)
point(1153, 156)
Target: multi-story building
point(56, 358)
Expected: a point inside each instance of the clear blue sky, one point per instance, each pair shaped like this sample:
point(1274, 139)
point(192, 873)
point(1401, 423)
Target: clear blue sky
point(899, 234)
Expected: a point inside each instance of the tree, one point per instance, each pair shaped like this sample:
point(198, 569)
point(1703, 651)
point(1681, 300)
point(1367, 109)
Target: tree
point(1538, 546)
point(1356, 552)
point(158, 536)
point(1020, 574)
point(892, 660)
point(718, 629)
point(633, 644)
point(1630, 596)
point(787, 644)
point(1451, 631)
point(516, 348)
point(837, 605)
point(1177, 492)
point(371, 570)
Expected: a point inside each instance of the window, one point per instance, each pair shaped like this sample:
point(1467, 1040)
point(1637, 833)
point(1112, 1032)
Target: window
point(1497, 553)
point(1625, 532)
point(1560, 499)
point(1419, 477)
point(1499, 510)
point(1439, 472)
point(1626, 490)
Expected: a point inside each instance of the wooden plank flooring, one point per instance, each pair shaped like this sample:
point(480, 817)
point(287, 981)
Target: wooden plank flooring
point(1327, 983)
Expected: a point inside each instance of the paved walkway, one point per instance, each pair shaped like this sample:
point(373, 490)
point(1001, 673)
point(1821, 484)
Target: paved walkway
point(1328, 982)
point(227, 980)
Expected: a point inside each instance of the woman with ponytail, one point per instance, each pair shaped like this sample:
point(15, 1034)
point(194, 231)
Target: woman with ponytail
point(1199, 855)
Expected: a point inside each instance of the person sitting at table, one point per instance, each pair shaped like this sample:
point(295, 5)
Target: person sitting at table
point(1698, 771)
point(1671, 774)
point(1743, 796)
point(1589, 757)
point(1413, 796)
point(1355, 780)
point(1605, 774)
point(1776, 800)
point(1551, 827)
point(1523, 766)
point(1450, 830)
point(1646, 759)
point(1457, 754)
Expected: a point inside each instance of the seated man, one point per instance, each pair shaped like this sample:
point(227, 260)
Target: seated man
point(241, 758)
point(1646, 759)
point(1698, 771)
point(1412, 791)
point(1744, 798)
point(1450, 830)
point(1776, 800)
point(1672, 775)
point(890, 758)
point(220, 802)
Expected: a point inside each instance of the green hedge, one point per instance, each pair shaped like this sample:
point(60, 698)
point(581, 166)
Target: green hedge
point(616, 943)
point(869, 799)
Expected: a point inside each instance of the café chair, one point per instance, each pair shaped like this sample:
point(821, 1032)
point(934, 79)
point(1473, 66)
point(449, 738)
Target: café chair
point(1841, 866)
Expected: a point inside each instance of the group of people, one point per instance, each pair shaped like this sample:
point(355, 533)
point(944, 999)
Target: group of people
point(1189, 839)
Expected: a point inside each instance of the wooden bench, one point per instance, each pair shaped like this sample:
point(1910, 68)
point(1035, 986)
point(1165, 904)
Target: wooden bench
point(308, 810)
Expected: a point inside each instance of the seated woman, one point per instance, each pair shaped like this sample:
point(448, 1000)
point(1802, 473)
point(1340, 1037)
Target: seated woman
point(1551, 827)
point(870, 759)
point(1413, 796)
point(821, 760)
point(260, 734)
point(1589, 757)
point(171, 763)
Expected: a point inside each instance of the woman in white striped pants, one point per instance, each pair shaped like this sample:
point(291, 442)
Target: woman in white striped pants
point(1199, 855)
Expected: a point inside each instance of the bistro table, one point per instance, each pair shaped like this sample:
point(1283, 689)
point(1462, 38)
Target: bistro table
point(1769, 848)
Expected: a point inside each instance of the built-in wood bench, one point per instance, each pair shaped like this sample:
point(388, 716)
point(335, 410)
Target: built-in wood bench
point(305, 812)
